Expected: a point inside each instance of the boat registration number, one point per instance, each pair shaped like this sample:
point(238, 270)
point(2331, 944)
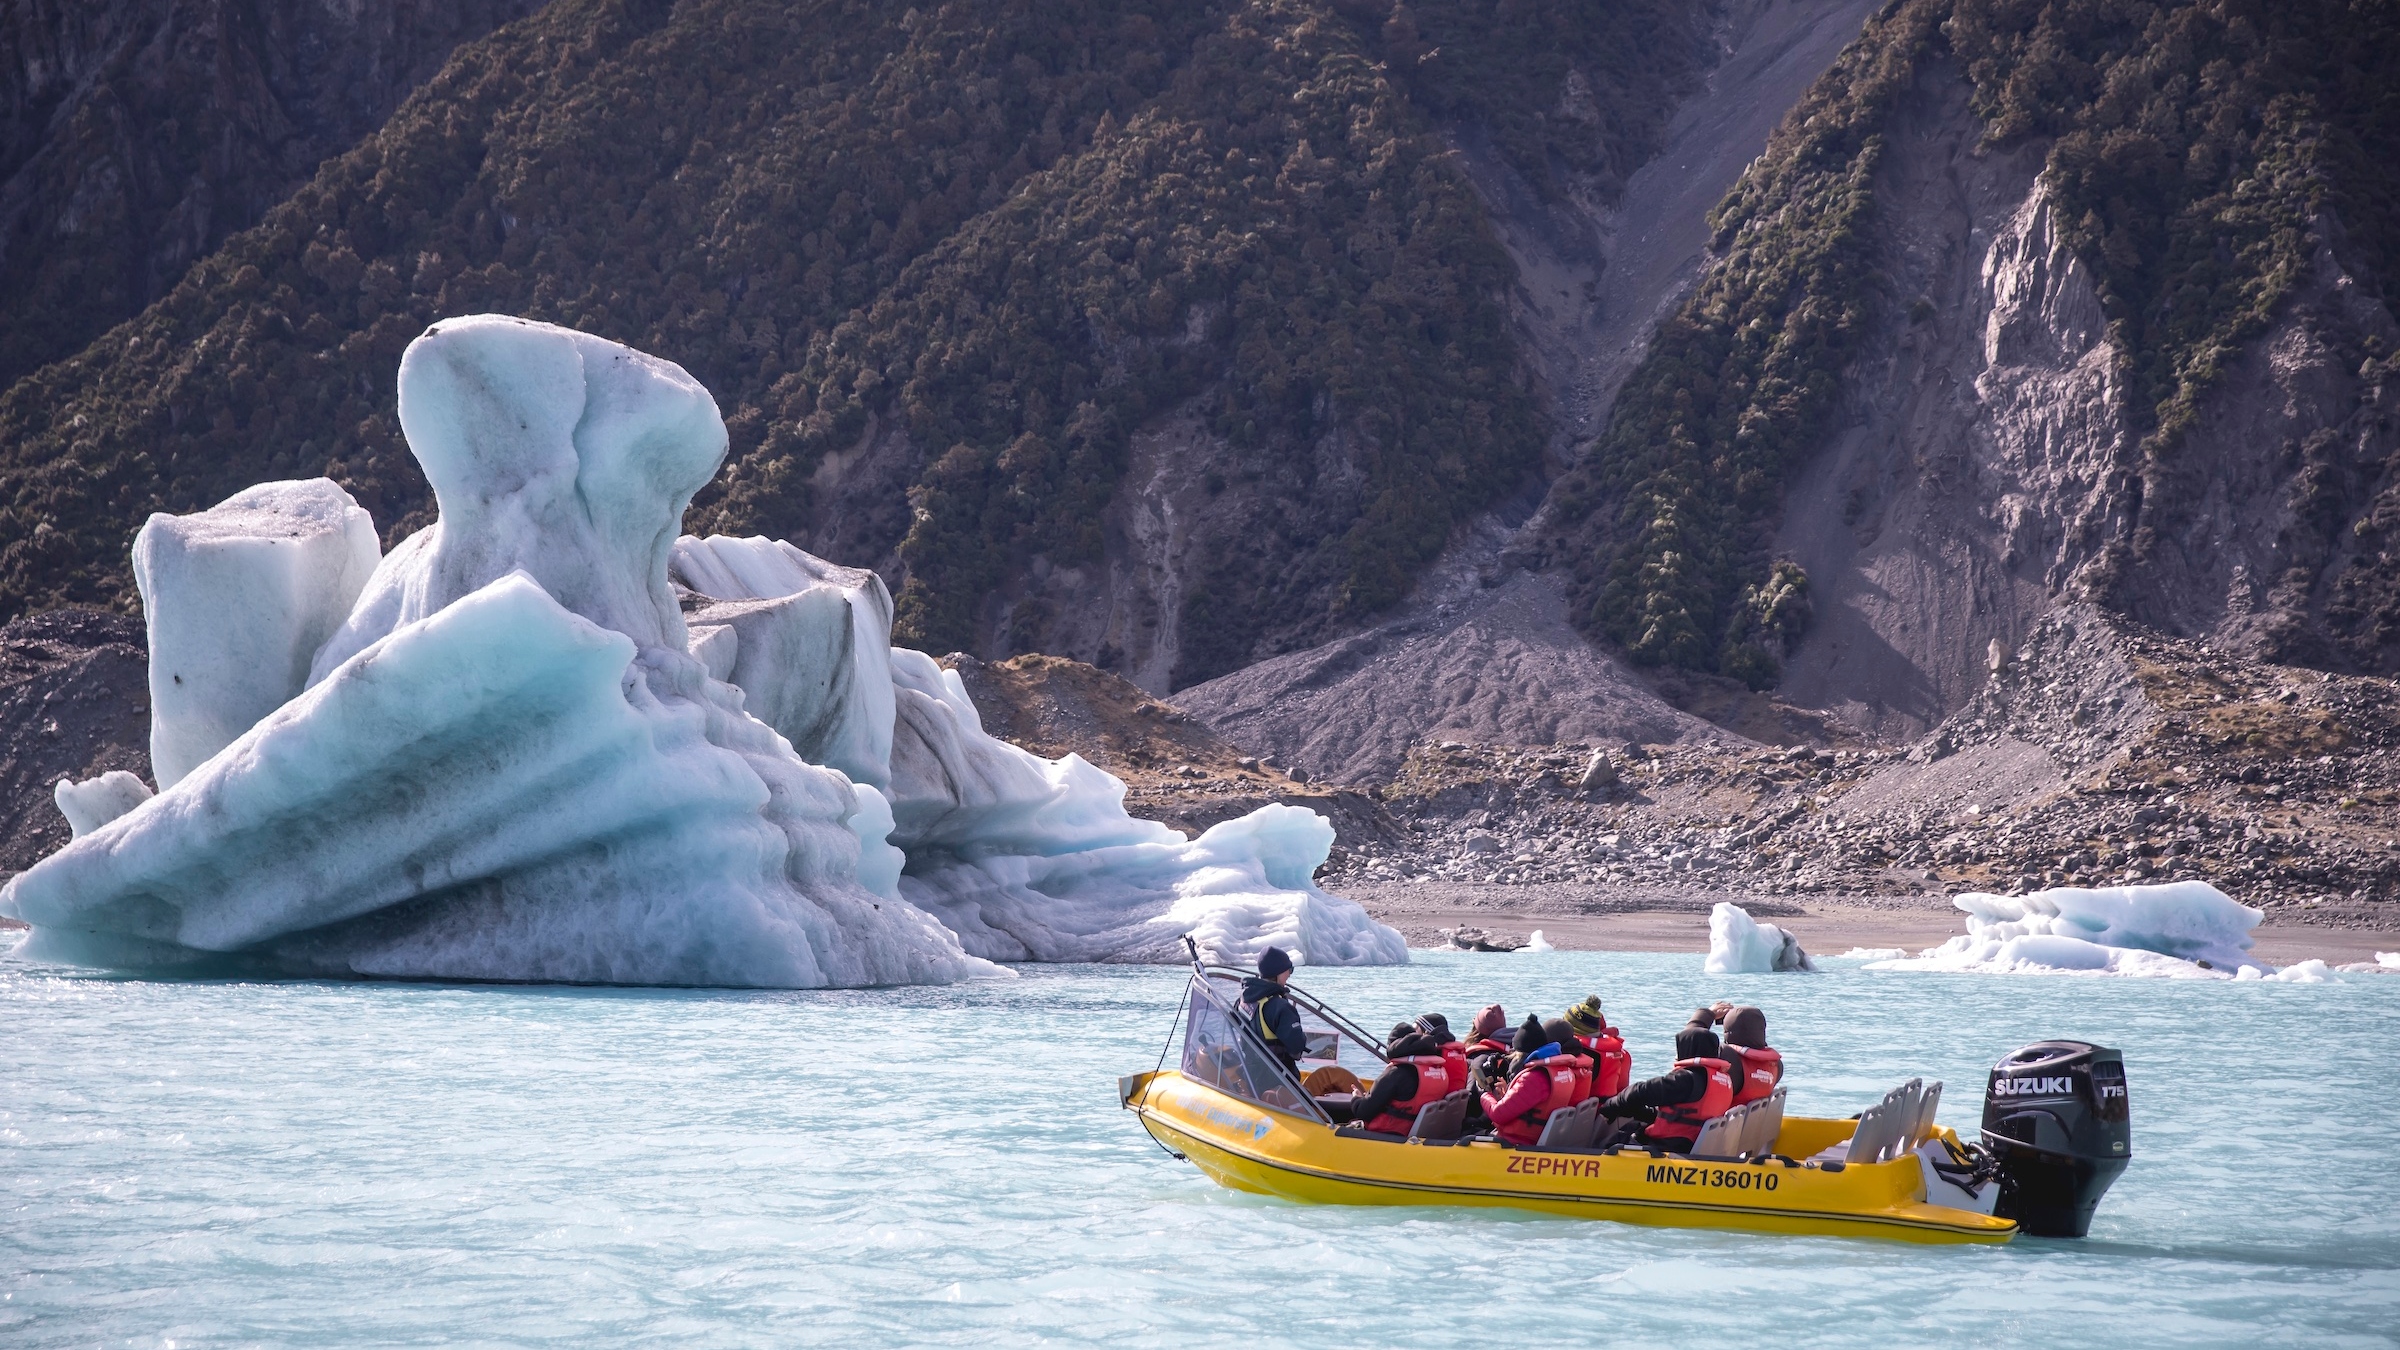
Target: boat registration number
point(1725, 1178)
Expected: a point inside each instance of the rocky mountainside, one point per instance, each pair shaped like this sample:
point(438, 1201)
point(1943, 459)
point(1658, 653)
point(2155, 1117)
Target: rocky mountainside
point(956, 272)
point(74, 703)
point(1925, 380)
point(136, 135)
point(1433, 392)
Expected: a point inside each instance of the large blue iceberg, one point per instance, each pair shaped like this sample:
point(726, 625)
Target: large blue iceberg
point(503, 751)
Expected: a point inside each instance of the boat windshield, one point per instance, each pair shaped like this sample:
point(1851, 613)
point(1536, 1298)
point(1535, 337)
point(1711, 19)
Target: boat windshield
point(1219, 1051)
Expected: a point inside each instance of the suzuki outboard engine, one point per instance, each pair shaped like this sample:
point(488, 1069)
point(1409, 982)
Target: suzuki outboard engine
point(2055, 1118)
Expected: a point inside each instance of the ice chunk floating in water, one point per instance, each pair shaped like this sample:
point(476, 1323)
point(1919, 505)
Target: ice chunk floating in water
point(1741, 945)
point(2186, 929)
point(504, 755)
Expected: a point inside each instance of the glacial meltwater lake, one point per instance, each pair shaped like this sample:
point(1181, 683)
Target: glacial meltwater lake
point(393, 1164)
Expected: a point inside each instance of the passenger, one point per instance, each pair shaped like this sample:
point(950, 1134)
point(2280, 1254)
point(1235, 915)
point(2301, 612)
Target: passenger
point(1487, 1024)
point(1760, 1065)
point(1612, 1064)
point(1587, 1065)
point(1678, 1102)
point(1417, 1073)
point(1269, 1013)
point(1486, 1052)
point(1545, 1081)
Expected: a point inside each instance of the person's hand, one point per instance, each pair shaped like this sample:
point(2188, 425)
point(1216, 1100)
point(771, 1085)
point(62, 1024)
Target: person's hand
point(1720, 1010)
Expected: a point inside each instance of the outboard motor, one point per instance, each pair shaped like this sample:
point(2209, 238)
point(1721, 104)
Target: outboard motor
point(2056, 1119)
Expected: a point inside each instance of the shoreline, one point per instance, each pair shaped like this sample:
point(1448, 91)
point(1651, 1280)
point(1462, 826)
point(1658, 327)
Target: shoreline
point(1825, 928)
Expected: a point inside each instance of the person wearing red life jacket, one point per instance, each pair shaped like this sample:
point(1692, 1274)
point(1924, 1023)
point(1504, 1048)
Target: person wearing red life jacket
point(1421, 1066)
point(1547, 1078)
point(1746, 1048)
point(1678, 1102)
point(1612, 1064)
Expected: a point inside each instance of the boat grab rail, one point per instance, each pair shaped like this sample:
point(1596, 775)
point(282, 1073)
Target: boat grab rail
point(1325, 1012)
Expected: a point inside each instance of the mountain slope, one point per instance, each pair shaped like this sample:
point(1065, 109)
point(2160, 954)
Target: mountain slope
point(135, 135)
point(2200, 162)
point(942, 267)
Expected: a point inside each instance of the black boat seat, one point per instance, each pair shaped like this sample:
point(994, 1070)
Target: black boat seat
point(1440, 1122)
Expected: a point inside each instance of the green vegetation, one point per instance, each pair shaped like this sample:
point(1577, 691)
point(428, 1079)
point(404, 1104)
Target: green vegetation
point(1675, 501)
point(2192, 147)
point(1015, 232)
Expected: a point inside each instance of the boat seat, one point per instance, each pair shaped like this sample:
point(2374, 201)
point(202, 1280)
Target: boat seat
point(1875, 1137)
point(1440, 1122)
point(1885, 1129)
point(1925, 1112)
point(1571, 1128)
point(1357, 1131)
point(1764, 1124)
point(1722, 1137)
point(1901, 1105)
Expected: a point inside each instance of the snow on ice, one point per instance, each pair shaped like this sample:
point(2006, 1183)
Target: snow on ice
point(500, 752)
point(1741, 945)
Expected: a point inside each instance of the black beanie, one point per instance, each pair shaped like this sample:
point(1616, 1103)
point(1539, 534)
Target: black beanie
point(1436, 1026)
point(1272, 962)
point(1695, 1043)
point(1531, 1036)
point(1560, 1034)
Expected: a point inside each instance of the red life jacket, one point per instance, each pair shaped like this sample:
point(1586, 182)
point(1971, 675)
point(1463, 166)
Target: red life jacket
point(1684, 1121)
point(1434, 1082)
point(1570, 1082)
point(1762, 1069)
point(1616, 1063)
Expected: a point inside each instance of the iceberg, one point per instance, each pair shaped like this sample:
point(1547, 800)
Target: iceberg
point(1024, 858)
point(501, 752)
point(2184, 929)
point(289, 559)
point(1741, 945)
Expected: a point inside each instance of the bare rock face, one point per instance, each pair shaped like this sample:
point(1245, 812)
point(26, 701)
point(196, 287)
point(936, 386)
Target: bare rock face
point(135, 135)
point(74, 703)
point(1992, 470)
point(2271, 528)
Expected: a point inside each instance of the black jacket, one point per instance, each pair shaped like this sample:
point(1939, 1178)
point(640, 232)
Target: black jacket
point(1273, 1019)
point(1672, 1088)
point(1399, 1081)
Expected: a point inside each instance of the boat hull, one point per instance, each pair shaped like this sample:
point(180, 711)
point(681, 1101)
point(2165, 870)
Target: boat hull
point(1246, 1147)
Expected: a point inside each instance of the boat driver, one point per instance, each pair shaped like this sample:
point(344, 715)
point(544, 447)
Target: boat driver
point(1267, 1012)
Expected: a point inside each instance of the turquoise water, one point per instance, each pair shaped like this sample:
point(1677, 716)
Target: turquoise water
point(219, 1164)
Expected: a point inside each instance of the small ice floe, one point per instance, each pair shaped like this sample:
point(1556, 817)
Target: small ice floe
point(1873, 954)
point(1741, 945)
point(2181, 930)
point(2385, 963)
point(1537, 943)
point(2311, 971)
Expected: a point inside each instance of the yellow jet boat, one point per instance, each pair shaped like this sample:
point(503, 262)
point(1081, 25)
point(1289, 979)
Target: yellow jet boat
point(1245, 1120)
